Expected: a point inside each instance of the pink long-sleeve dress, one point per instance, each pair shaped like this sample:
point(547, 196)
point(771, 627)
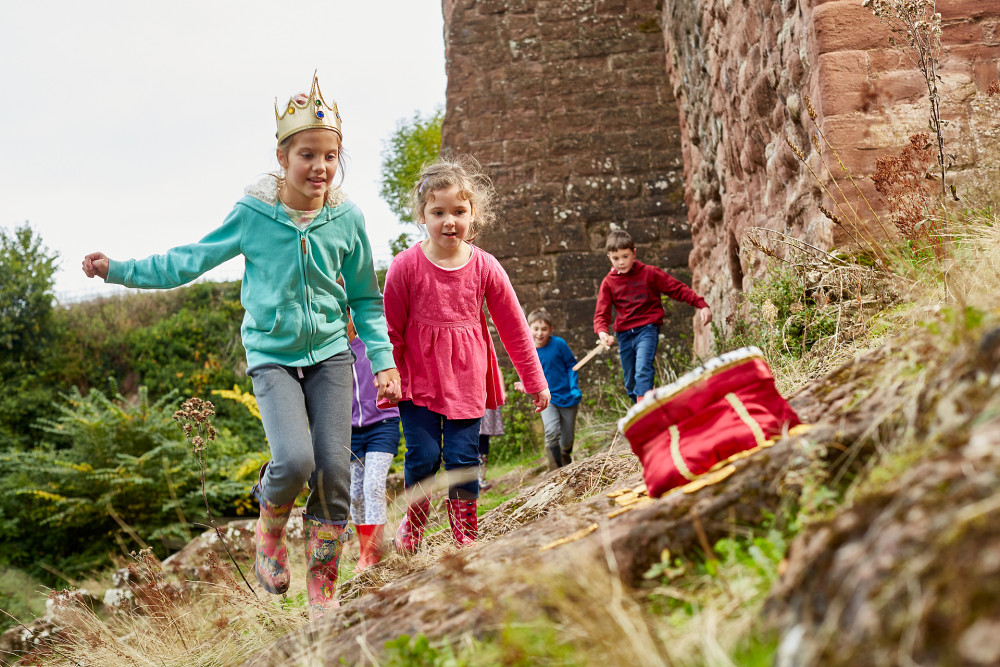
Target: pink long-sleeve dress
point(441, 343)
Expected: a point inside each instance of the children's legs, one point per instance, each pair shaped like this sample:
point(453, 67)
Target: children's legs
point(626, 352)
point(271, 560)
point(484, 459)
point(422, 430)
point(646, 341)
point(327, 390)
point(323, 548)
point(461, 457)
point(460, 450)
point(550, 420)
point(376, 469)
point(371, 524)
point(567, 432)
point(286, 424)
point(357, 491)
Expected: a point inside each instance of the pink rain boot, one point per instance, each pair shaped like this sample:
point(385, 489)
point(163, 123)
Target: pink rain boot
point(323, 547)
point(464, 524)
point(411, 529)
point(271, 566)
point(370, 537)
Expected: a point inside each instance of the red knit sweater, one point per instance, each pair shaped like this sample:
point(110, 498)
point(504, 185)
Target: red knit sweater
point(636, 297)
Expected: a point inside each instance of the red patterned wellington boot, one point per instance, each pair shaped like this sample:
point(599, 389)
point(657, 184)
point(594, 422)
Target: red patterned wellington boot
point(411, 529)
point(464, 524)
point(323, 547)
point(271, 565)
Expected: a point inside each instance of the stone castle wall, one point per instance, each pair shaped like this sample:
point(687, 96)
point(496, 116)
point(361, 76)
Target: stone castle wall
point(567, 105)
point(669, 119)
point(741, 72)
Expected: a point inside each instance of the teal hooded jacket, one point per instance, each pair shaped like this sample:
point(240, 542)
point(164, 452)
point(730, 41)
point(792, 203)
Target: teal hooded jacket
point(295, 310)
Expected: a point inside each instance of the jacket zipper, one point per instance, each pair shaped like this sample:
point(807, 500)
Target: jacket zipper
point(305, 299)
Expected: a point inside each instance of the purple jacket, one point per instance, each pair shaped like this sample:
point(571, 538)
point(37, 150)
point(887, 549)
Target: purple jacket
point(363, 410)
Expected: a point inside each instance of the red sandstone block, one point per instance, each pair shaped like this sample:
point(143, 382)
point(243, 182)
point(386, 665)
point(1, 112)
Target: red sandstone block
point(844, 25)
point(762, 97)
point(962, 32)
point(521, 27)
point(581, 266)
point(887, 60)
point(603, 212)
point(985, 74)
point(562, 235)
point(568, 289)
point(841, 79)
point(609, 6)
point(664, 205)
point(514, 240)
point(965, 9)
point(528, 269)
point(970, 53)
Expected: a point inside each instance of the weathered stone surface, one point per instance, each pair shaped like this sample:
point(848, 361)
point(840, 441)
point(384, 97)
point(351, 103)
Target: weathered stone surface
point(741, 70)
point(569, 105)
point(576, 93)
point(910, 571)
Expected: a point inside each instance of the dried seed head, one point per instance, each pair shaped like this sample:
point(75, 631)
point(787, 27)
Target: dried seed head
point(810, 108)
point(795, 149)
point(833, 218)
point(769, 312)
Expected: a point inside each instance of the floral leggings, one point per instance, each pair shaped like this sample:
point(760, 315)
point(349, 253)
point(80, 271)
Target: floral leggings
point(368, 488)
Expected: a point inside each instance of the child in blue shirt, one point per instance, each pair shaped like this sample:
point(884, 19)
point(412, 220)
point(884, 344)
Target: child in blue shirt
point(559, 418)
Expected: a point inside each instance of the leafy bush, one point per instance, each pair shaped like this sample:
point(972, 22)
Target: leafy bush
point(116, 475)
point(521, 425)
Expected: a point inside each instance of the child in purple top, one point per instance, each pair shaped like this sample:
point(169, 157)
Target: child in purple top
point(374, 443)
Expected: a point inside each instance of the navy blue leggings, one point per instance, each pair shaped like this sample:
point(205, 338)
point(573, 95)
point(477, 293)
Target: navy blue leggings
point(431, 438)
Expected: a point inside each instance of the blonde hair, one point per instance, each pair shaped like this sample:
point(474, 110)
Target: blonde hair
point(474, 186)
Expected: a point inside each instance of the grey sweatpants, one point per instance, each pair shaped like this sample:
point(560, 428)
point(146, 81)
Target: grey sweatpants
point(306, 414)
point(560, 431)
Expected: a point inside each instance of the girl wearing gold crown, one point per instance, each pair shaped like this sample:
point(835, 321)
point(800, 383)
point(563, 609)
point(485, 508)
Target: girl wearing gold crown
point(299, 233)
point(434, 295)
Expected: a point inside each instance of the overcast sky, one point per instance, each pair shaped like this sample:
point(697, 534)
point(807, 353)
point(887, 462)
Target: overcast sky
point(133, 127)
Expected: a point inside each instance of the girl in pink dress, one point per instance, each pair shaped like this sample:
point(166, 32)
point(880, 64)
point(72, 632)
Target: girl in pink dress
point(434, 295)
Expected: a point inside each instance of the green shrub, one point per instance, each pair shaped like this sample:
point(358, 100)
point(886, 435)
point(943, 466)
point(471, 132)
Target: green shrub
point(113, 476)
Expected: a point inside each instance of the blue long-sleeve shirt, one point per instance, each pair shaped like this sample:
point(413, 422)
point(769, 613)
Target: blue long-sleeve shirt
point(557, 364)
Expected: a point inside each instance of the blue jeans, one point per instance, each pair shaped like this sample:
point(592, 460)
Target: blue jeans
point(306, 413)
point(429, 438)
point(637, 349)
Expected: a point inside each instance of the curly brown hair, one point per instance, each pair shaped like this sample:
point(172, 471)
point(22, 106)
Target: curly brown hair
point(474, 186)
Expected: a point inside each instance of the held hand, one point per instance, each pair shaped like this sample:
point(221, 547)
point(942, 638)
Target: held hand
point(96, 264)
point(519, 386)
point(389, 385)
point(606, 338)
point(706, 316)
point(540, 399)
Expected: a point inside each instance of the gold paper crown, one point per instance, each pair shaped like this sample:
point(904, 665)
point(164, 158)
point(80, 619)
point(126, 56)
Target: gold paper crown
point(315, 113)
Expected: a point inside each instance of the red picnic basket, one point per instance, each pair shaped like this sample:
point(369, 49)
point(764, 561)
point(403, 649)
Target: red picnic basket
point(724, 407)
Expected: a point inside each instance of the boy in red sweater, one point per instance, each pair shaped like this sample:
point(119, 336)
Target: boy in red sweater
point(634, 289)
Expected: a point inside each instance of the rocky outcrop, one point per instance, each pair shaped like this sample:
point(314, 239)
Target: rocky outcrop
point(741, 71)
point(909, 572)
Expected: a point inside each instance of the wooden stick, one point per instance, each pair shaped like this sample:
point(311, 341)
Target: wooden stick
point(601, 347)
